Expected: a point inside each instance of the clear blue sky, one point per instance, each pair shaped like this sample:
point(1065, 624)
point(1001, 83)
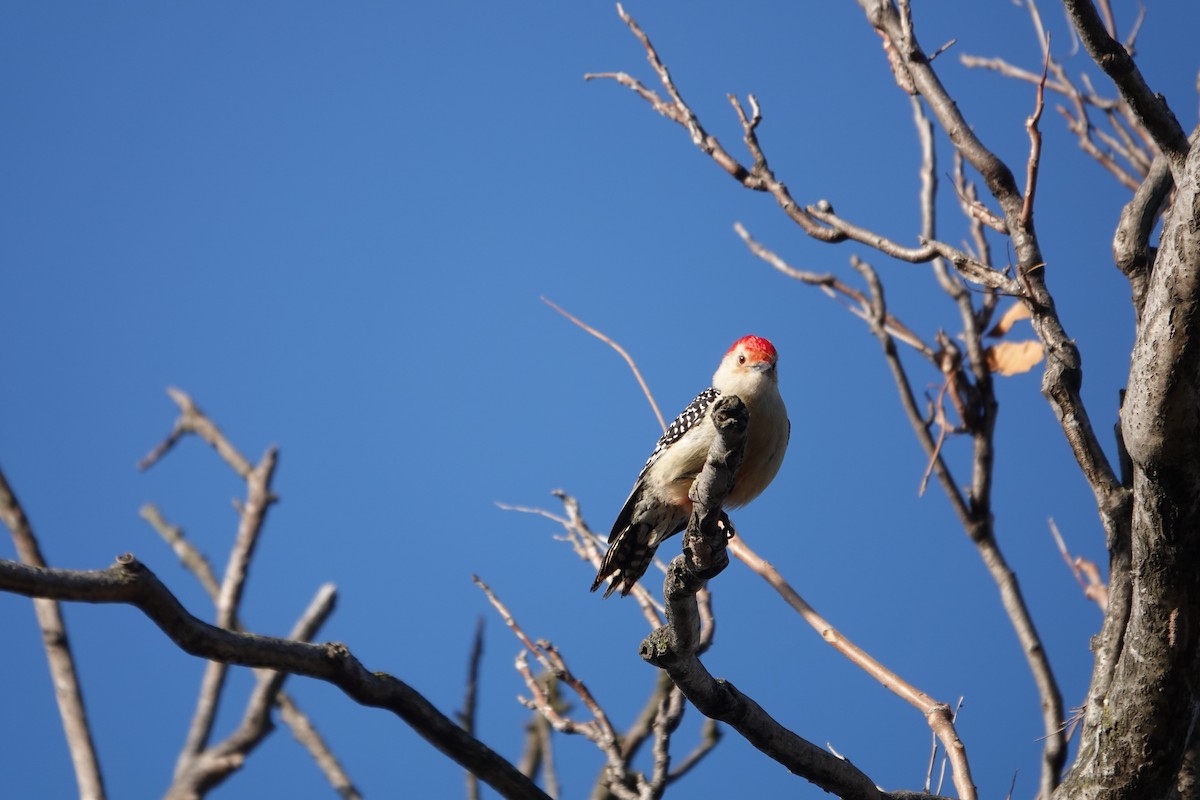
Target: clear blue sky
point(332, 224)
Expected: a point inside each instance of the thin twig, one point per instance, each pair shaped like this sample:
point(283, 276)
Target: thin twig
point(587, 545)
point(937, 715)
point(942, 769)
point(193, 420)
point(598, 730)
point(258, 500)
point(818, 221)
point(68, 693)
point(710, 737)
point(1086, 573)
point(620, 350)
point(191, 558)
point(832, 286)
point(943, 427)
point(310, 738)
point(1035, 140)
point(1147, 105)
point(466, 717)
point(665, 723)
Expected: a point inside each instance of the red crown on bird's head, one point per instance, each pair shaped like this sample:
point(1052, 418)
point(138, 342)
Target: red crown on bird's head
point(756, 345)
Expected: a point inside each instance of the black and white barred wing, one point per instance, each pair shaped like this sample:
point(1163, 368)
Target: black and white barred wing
point(646, 519)
point(689, 418)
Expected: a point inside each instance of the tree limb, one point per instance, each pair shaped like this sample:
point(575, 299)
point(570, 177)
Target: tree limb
point(1160, 593)
point(253, 515)
point(67, 691)
point(130, 582)
point(1132, 251)
point(301, 726)
point(938, 715)
point(213, 765)
point(818, 221)
point(1151, 109)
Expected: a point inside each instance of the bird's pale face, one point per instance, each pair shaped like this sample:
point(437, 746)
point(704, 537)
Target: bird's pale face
point(753, 354)
point(749, 365)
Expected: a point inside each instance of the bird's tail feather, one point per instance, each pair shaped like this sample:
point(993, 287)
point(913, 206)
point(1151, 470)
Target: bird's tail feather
point(627, 559)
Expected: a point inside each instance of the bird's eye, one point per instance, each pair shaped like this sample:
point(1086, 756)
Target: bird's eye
point(741, 358)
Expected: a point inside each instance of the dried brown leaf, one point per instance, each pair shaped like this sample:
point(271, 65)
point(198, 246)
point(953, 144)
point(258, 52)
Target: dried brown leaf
point(1013, 358)
point(1017, 311)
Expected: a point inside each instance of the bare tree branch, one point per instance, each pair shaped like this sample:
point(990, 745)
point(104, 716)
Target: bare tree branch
point(312, 741)
point(1155, 612)
point(833, 287)
point(193, 420)
point(1086, 573)
point(1035, 141)
point(191, 558)
point(666, 721)
point(466, 717)
point(254, 510)
point(710, 737)
point(598, 730)
point(587, 545)
point(213, 765)
point(1125, 123)
point(1131, 244)
point(1151, 109)
point(301, 726)
point(1063, 376)
point(131, 583)
point(974, 514)
point(818, 221)
point(938, 715)
point(620, 351)
point(67, 692)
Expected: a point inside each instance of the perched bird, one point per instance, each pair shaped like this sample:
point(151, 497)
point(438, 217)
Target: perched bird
point(658, 507)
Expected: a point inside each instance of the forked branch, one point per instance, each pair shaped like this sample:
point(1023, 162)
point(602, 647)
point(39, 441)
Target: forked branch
point(131, 583)
point(819, 220)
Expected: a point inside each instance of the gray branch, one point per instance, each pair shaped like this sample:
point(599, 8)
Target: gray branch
point(1157, 636)
point(129, 582)
point(253, 514)
point(213, 765)
point(1112, 57)
point(67, 691)
point(1132, 250)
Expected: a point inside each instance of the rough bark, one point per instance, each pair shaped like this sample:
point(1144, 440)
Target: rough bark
point(1136, 732)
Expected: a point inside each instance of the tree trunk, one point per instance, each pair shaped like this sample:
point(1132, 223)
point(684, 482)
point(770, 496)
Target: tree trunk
point(1138, 729)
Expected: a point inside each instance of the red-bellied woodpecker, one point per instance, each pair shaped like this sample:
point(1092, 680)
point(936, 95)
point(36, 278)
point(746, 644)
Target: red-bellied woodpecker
point(658, 506)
